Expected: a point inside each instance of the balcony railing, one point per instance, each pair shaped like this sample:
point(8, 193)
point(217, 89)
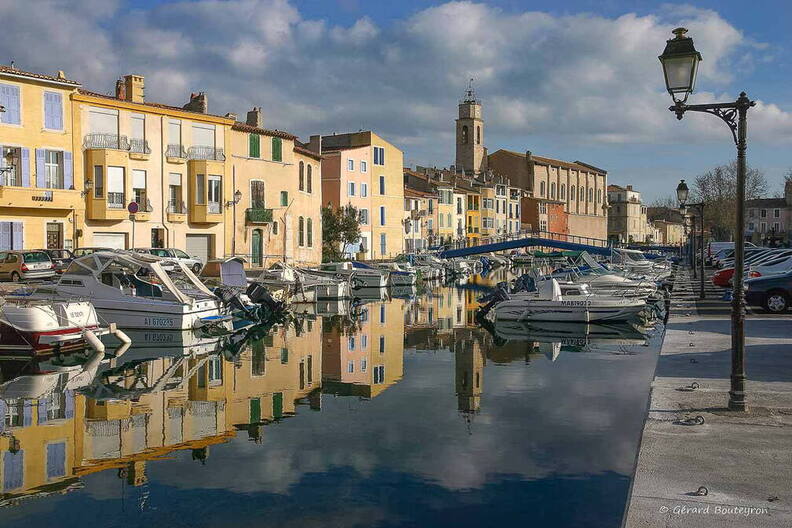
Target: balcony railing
point(206, 153)
point(115, 200)
point(106, 141)
point(176, 151)
point(139, 146)
point(176, 207)
point(258, 215)
point(213, 207)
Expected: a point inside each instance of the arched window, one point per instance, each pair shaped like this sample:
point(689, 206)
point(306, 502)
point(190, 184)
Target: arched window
point(599, 195)
point(464, 134)
point(301, 231)
point(582, 193)
point(309, 228)
point(301, 178)
point(541, 188)
point(562, 192)
point(478, 135)
point(591, 194)
point(572, 194)
point(552, 190)
point(309, 187)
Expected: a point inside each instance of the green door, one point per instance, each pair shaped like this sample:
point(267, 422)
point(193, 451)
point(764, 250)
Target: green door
point(277, 405)
point(258, 248)
point(255, 410)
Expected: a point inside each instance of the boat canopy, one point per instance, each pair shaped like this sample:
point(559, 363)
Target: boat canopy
point(230, 271)
point(558, 254)
point(549, 290)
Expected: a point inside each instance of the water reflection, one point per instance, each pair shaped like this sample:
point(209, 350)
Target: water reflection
point(404, 407)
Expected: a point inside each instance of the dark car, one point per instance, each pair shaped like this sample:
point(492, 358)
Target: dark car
point(61, 258)
point(772, 292)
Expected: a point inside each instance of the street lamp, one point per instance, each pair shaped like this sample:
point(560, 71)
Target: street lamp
point(680, 65)
point(683, 193)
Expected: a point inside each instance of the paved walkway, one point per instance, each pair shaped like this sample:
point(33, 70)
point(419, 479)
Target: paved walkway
point(743, 459)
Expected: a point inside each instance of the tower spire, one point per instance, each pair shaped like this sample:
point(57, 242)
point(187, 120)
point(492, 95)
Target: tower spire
point(470, 94)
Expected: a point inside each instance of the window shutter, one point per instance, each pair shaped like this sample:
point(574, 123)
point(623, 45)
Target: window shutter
point(57, 111)
point(277, 154)
point(5, 235)
point(9, 98)
point(68, 171)
point(18, 236)
point(27, 413)
point(3, 411)
point(40, 172)
point(25, 167)
point(69, 404)
point(42, 410)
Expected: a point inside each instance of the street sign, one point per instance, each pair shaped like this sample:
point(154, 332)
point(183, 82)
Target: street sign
point(133, 207)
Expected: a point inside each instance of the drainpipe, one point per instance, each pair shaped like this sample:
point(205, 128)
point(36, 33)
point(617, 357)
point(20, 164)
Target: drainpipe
point(233, 233)
point(164, 189)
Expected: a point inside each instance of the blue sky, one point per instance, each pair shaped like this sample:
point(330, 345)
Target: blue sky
point(572, 79)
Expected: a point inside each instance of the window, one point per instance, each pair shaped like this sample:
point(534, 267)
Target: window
point(572, 193)
point(562, 192)
point(301, 176)
point(53, 111)
point(351, 189)
point(751, 226)
point(383, 245)
point(478, 135)
point(174, 133)
point(764, 213)
point(301, 231)
point(203, 136)
point(382, 314)
point(351, 164)
point(382, 184)
point(599, 195)
point(364, 190)
point(350, 366)
point(139, 187)
point(309, 228)
point(364, 217)
point(351, 344)
point(56, 460)
point(215, 193)
point(175, 193)
point(776, 213)
point(284, 355)
point(431, 206)
point(763, 227)
point(363, 364)
point(382, 215)
point(9, 98)
point(582, 193)
point(137, 126)
point(448, 220)
point(591, 195)
point(440, 221)
point(464, 137)
point(257, 194)
point(215, 369)
point(11, 158)
point(13, 465)
point(115, 187)
point(552, 190)
point(776, 227)
point(541, 188)
point(53, 170)
point(284, 198)
point(379, 374)
point(274, 228)
point(309, 186)
point(363, 166)
point(254, 146)
point(277, 149)
point(382, 344)
point(379, 156)
point(200, 189)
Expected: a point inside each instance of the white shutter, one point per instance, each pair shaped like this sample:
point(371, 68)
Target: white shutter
point(103, 120)
point(115, 179)
point(174, 179)
point(203, 135)
point(138, 179)
point(174, 132)
point(137, 126)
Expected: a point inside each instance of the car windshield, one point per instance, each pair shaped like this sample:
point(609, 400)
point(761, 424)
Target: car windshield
point(58, 253)
point(35, 256)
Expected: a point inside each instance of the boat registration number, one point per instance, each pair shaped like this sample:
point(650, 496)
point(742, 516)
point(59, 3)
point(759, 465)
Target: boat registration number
point(158, 322)
point(158, 338)
point(575, 303)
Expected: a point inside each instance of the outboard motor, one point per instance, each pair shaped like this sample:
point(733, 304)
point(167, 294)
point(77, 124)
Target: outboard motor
point(524, 283)
point(501, 293)
point(260, 295)
point(230, 297)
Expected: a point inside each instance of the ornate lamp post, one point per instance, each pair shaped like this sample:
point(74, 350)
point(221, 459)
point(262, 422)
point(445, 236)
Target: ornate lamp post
point(680, 64)
point(682, 196)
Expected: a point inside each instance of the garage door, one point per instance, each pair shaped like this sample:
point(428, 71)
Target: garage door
point(199, 246)
point(110, 240)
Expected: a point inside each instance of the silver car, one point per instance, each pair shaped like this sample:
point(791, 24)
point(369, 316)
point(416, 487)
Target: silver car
point(171, 255)
point(26, 265)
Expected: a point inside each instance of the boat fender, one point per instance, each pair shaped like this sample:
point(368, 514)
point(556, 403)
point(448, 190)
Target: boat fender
point(94, 341)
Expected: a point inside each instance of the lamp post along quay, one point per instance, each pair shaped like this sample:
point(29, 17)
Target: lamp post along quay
point(683, 193)
point(680, 62)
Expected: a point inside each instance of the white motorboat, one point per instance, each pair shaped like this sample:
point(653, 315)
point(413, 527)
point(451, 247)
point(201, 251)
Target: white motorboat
point(398, 274)
point(302, 286)
point(548, 303)
point(359, 275)
point(133, 291)
point(429, 266)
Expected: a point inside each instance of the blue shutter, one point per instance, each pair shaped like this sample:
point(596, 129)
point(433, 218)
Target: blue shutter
point(13, 470)
point(25, 167)
point(9, 98)
point(53, 111)
point(69, 404)
point(17, 235)
point(27, 413)
point(48, 117)
point(3, 412)
point(14, 100)
point(40, 172)
point(42, 410)
point(68, 170)
point(56, 460)
point(5, 235)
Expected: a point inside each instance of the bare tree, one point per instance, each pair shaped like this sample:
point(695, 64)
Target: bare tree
point(717, 188)
point(668, 202)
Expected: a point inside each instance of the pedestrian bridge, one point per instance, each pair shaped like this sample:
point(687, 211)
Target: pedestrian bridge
point(596, 247)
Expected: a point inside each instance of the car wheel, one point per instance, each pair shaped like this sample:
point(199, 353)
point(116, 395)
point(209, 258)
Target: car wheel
point(776, 302)
point(16, 277)
point(196, 268)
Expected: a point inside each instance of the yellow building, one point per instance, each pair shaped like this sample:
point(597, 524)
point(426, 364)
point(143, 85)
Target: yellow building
point(277, 214)
point(40, 198)
point(365, 170)
point(170, 161)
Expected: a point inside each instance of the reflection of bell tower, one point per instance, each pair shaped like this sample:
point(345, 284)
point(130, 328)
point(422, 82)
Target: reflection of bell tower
point(471, 156)
point(469, 366)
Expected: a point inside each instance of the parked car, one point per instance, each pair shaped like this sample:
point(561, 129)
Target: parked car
point(173, 255)
point(61, 258)
point(81, 252)
point(772, 293)
point(753, 259)
point(722, 248)
point(26, 265)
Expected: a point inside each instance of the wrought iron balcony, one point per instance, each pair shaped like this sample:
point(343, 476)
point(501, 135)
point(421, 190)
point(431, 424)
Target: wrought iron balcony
point(177, 207)
point(176, 151)
point(115, 200)
point(258, 215)
point(106, 141)
point(206, 153)
point(139, 146)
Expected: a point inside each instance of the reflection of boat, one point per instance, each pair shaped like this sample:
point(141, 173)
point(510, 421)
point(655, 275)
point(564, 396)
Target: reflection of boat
point(176, 342)
point(570, 333)
point(403, 292)
point(303, 286)
point(360, 275)
point(371, 294)
point(398, 274)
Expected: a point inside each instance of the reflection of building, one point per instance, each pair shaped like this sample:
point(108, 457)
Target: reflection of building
point(469, 368)
point(366, 359)
point(142, 410)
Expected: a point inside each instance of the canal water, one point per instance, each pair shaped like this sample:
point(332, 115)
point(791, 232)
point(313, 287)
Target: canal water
point(408, 415)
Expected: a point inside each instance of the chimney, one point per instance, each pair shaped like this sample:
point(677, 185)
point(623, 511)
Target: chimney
point(198, 103)
point(254, 117)
point(231, 115)
point(120, 90)
point(315, 144)
point(61, 74)
point(135, 89)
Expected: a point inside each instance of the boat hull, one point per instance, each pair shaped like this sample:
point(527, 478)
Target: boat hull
point(566, 311)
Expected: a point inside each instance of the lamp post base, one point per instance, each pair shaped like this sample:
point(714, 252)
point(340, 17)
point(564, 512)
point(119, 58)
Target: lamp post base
point(737, 402)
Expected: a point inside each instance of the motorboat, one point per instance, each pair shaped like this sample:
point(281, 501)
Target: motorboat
point(427, 265)
point(133, 291)
point(41, 326)
point(303, 286)
point(548, 303)
point(360, 275)
point(398, 274)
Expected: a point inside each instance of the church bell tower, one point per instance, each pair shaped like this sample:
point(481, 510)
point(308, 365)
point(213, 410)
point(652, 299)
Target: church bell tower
point(471, 156)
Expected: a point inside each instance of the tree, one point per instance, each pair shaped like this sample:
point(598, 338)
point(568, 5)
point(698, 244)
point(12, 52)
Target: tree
point(717, 189)
point(666, 202)
point(340, 227)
